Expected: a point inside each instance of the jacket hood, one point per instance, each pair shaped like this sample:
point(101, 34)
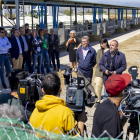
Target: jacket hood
point(48, 102)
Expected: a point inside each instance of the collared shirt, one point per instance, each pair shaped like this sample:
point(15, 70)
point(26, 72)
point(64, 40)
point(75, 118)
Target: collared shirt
point(53, 40)
point(29, 36)
point(25, 43)
point(38, 48)
point(19, 45)
point(85, 51)
point(5, 45)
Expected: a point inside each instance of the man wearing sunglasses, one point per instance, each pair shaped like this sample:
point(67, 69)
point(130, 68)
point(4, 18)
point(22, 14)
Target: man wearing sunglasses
point(5, 45)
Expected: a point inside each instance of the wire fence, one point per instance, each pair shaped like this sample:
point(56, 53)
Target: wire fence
point(15, 129)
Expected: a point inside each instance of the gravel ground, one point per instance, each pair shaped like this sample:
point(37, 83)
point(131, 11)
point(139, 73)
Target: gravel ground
point(131, 50)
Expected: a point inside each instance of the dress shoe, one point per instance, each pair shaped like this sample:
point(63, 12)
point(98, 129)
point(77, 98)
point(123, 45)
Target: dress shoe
point(4, 86)
point(54, 69)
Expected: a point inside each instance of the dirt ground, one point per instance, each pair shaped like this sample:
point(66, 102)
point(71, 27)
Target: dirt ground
point(131, 50)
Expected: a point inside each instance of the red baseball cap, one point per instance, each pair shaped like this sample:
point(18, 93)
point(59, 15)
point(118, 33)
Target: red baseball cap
point(115, 84)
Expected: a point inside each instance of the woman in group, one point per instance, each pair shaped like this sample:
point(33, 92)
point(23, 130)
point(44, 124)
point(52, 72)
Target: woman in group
point(37, 56)
point(45, 53)
point(98, 73)
point(73, 44)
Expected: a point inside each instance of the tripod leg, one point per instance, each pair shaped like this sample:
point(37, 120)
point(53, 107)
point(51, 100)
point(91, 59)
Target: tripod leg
point(85, 128)
point(128, 130)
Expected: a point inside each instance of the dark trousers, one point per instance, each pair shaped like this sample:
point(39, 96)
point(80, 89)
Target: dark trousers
point(54, 55)
point(37, 57)
point(45, 56)
point(27, 59)
point(4, 61)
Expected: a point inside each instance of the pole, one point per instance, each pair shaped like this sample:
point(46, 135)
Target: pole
point(70, 18)
point(32, 15)
point(75, 14)
point(1, 16)
point(108, 14)
point(17, 13)
point(83, 16)
point(126, 13)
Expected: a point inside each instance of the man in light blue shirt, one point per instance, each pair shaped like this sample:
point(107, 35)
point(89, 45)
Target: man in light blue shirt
point(5, 45)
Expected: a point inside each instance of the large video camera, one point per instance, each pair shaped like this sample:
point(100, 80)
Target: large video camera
point(74, 92)
point(29, 89)
point(131, 102)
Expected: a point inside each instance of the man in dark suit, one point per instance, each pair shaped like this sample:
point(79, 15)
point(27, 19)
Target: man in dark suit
point(28, 33)
point(54, 49)
point(17, 50)
point(27, 50)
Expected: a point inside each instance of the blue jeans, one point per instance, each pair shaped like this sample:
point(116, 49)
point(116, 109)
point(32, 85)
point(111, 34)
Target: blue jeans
point(37, 56)
point(4, 61)
point(53, 55)
point(47, 62)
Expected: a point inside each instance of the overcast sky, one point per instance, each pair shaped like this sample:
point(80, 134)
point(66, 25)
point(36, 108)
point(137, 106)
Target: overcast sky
point(135, 3)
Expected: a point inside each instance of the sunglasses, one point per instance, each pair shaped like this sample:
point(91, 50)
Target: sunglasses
point(2, 32)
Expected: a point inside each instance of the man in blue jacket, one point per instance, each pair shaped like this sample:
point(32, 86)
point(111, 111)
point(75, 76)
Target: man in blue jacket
point(17, 50)
point(86, 58)
point(112, 62)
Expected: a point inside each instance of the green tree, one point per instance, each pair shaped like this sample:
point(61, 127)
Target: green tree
point(67, 12)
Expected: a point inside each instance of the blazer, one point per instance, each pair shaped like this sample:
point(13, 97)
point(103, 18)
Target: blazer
point(53, 43)
point(120, 63)
point(29, 44)
point(34, 46)
point(14, 51)
point(85, 66)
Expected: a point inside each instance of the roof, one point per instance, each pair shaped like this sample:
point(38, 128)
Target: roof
point(72, 3)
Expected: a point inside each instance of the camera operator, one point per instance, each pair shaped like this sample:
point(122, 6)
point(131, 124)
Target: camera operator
point(106, 116)
point(51, 110)
point(12, 98)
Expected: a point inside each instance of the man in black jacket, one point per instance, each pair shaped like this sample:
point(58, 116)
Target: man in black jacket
point(27, 50)
point(106, 116)
point(54, 49)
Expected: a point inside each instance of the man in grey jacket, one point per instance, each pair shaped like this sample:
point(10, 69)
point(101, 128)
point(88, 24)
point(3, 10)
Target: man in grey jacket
point(54, 49)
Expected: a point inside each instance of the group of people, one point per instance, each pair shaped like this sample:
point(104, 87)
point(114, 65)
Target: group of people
point(37, 46)
point(51, 111)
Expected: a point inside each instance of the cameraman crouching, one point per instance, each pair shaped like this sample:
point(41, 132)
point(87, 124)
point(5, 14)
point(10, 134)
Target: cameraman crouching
point(12, 98)
point(106, 116)
point(51, 111)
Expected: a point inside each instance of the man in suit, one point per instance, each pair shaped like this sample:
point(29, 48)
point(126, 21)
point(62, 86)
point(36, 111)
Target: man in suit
point(28, 33)
point(37, 28)
point(54, 49)
point(17, 50)
point(27, 50)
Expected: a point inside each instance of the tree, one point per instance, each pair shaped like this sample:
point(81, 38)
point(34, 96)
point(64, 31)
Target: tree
point(67, 12)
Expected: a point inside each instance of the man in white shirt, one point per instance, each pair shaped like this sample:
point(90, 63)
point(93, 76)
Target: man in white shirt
point(17, 50)
point(27, 50)
point(5, 45)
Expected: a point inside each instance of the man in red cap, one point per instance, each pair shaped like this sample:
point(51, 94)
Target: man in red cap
point(106, 116)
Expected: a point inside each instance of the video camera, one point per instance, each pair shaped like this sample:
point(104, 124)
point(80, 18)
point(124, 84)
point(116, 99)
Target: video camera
point(29, 89)
point(132, 101)
point(74, 91)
